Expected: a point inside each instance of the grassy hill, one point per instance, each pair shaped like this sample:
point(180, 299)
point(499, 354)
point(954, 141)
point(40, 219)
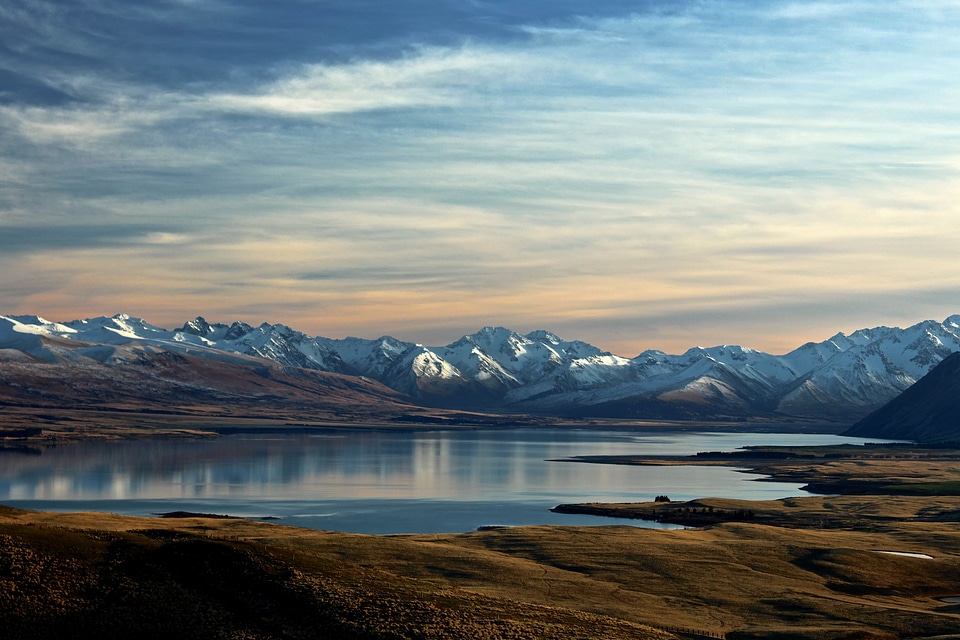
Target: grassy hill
point(106, 576)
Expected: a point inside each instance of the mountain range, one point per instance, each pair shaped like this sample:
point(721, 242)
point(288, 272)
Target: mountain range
point(842, 378)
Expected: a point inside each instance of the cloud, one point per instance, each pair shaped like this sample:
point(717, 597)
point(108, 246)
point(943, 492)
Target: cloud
point(72, 126)
point(815, 10)
point(426, 77)
point(166, 238)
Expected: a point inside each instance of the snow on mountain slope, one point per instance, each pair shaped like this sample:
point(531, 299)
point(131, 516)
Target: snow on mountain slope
point(22, 334)
point(742, 377)
point(876, 366)
point(373, 357)
point(811, 355)
point(576, 381)
point(37, 325)
point(501, 359)
point(118, 329)
point(496, 368)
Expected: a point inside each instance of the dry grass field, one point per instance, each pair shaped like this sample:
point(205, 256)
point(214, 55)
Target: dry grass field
point(91, 575)
point(100, 575)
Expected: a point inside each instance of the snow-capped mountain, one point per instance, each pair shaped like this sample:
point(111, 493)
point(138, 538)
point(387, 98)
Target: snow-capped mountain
point(498, 369)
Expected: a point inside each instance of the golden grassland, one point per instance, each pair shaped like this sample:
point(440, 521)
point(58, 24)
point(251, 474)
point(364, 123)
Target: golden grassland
point(806, 567)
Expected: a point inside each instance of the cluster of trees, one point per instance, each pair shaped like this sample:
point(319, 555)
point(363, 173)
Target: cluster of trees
point(662, 499)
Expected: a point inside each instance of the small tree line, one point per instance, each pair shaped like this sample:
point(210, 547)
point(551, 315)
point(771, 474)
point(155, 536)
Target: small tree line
point(29, 432)
point(735, 514)
point(696, 633)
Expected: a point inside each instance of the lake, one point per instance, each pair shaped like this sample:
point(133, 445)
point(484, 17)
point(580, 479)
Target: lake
point(380, 482)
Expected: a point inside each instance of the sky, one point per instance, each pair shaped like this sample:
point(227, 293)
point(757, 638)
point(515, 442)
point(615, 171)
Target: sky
point(639, 175)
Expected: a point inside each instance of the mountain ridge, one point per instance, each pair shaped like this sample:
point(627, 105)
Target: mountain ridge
point(496, 369)
point(929, 411)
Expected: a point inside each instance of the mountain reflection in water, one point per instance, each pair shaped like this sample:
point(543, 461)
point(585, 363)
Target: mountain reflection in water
point(382, 482)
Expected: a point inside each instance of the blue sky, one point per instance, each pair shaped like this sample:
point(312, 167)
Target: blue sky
point(635, 174)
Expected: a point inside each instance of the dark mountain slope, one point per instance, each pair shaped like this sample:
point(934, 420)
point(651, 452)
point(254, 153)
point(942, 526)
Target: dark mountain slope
point(929, 411)
point(136, 378)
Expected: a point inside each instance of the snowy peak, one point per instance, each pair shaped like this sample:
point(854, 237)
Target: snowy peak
point(497, 356)
point(544, 336)
point(198, 327)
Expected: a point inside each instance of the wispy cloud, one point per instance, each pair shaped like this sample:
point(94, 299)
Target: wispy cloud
point(78, 127)
point(424, 78)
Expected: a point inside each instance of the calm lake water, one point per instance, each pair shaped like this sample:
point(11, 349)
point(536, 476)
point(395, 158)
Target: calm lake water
point(384, 482)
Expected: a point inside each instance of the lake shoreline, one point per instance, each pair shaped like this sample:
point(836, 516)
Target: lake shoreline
point(849, 471)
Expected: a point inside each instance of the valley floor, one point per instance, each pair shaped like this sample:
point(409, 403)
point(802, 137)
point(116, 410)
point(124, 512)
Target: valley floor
point(40, 427)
